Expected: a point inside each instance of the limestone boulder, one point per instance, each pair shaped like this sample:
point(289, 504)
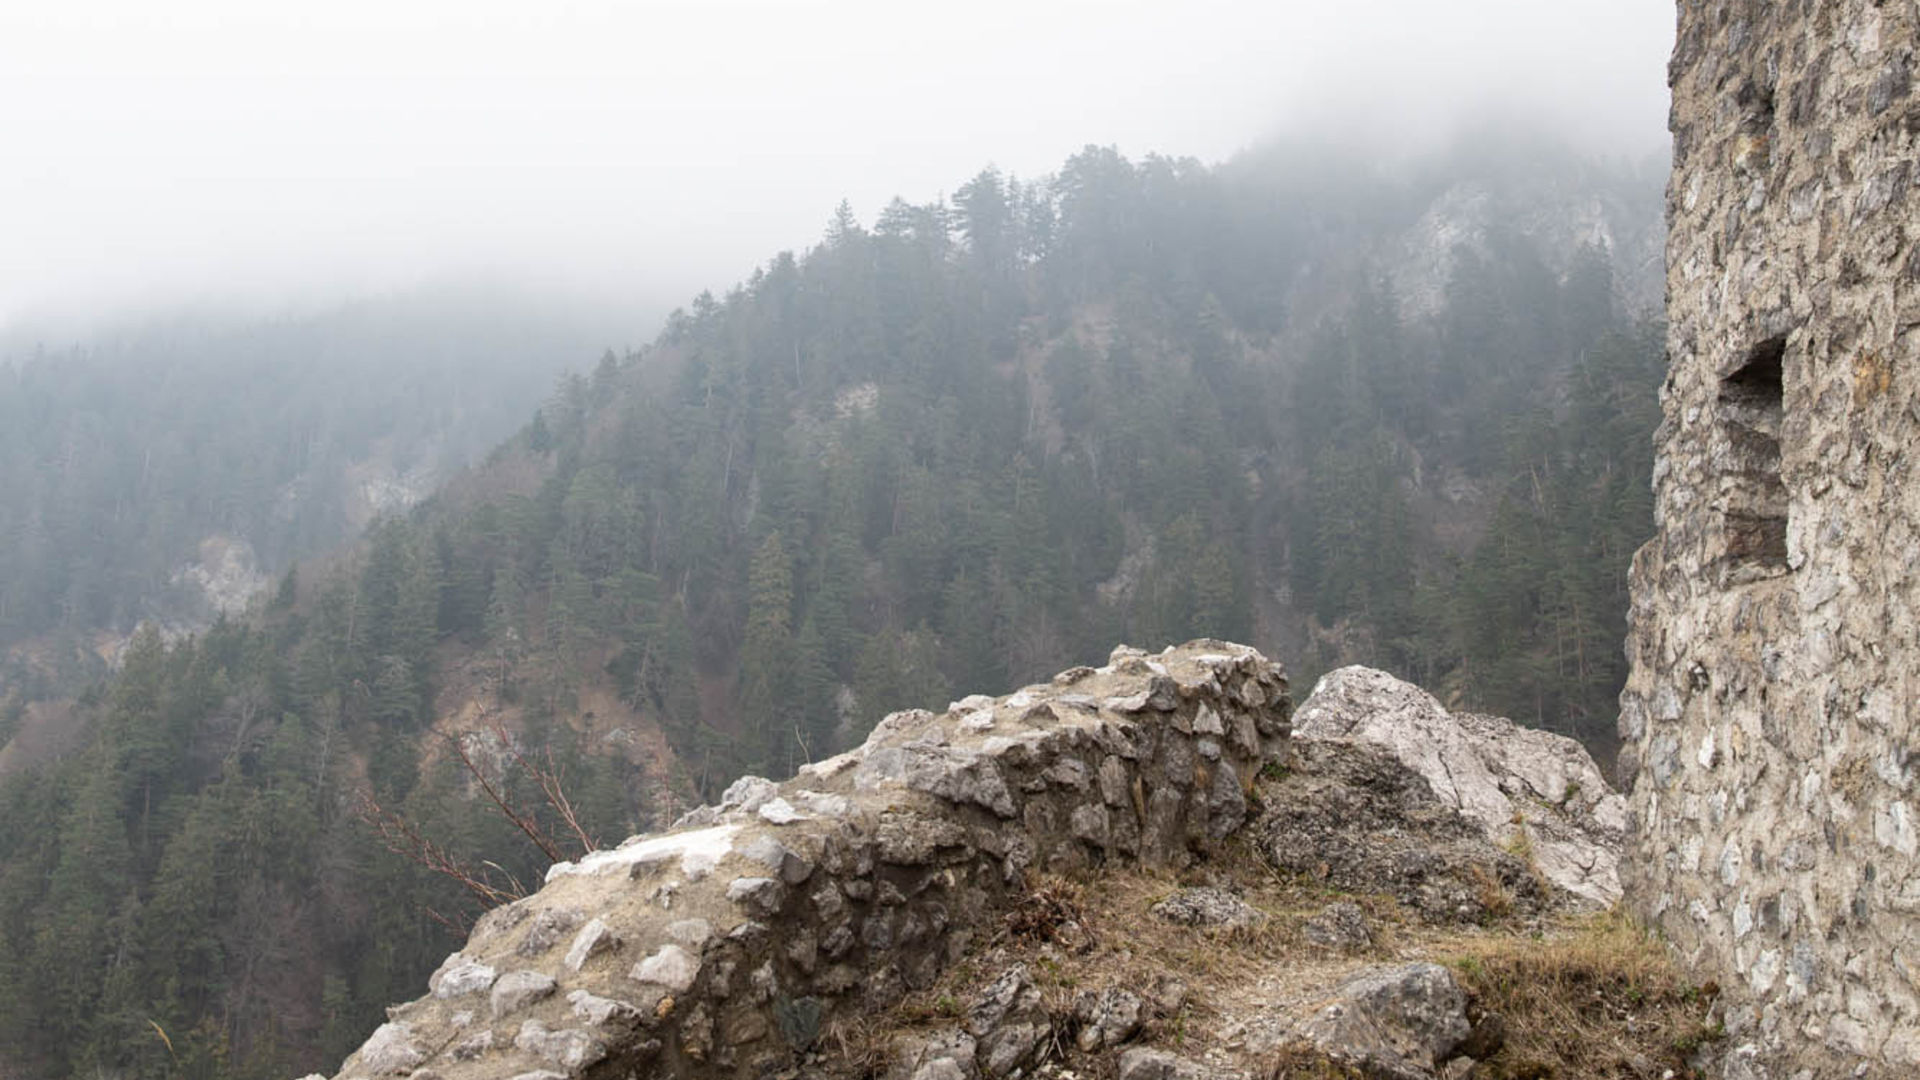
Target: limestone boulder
point(1358, 819)
point(1398, 1022)
point(1531, 791)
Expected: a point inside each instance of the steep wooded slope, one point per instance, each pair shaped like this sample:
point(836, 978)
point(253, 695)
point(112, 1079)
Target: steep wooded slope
point(960, 448)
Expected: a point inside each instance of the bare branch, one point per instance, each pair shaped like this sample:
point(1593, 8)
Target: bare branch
point(551, 781)
point(521, 821)
point(403, 838)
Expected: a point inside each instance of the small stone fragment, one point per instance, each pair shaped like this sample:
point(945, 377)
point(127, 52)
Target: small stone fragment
point(1208, 906)
point(762, 896)
point(1009, 1021)
point(592, 940)
point(391, 1050)
point(748, 794)
point(1089, 822)
point(823, 804)
point(939, 1055)
point(517, 989)
point(1106, 1019)
point(1113, 782)
point(472, 1046)
point(780, 812)
point(547, 928)
point(602, 1012)
point(569, 1048)
point(782, 860)
point(799, 1020)
point(672, 967)
point(460, 976)
point(1141, 1063)
point(1340, 925)
point(692, 933)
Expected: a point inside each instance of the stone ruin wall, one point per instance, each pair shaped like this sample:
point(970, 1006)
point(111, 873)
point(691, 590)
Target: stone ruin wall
point(733, 943)
point(1769, 720)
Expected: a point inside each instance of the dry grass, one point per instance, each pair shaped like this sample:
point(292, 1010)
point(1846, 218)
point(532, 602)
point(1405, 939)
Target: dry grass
point(1601, 998)
point(1302, 1062)
point(1494, 898)
point(1520, 846)
point(1594, 998)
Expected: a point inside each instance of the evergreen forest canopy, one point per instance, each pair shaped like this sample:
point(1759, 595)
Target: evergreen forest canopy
point(953, 450)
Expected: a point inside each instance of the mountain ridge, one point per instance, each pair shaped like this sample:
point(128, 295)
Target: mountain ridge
point(884, 472)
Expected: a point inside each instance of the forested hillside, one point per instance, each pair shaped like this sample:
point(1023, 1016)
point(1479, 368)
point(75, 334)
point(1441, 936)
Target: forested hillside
point(1399, 418)
point(273, 438)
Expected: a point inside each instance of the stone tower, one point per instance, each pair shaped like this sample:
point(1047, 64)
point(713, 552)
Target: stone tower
point(1770, 718)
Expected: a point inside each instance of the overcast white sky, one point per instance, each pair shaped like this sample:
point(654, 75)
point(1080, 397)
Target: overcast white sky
point(207, 150)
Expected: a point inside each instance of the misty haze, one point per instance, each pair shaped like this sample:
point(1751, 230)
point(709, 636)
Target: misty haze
point(439, 442)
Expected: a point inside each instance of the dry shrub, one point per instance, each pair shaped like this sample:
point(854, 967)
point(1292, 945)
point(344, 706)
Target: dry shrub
point(1495, 900)
point(860, 1041)
point(1054, 911)
point(1605, 1000)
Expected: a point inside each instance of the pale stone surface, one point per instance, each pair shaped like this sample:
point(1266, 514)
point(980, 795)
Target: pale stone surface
point(692, 849)
point(672, 967)
point(1768, 719)
point(778, 811)
point(1503, 776)
point(460, 976)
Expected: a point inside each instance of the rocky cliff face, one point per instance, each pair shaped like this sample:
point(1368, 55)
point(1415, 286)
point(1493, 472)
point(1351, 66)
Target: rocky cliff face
point(1769, 717)
point(985, 893)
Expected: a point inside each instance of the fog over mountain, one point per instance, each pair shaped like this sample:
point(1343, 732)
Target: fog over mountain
point(213, 151)
point(411, 411)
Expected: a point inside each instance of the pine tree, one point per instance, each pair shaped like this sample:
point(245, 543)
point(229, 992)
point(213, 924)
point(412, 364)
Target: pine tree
point(767, 705)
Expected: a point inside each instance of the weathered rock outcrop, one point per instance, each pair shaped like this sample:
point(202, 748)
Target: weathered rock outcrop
point(1529, 791)
point(1769, 718)
point(1354, 817)
point(728, 945)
